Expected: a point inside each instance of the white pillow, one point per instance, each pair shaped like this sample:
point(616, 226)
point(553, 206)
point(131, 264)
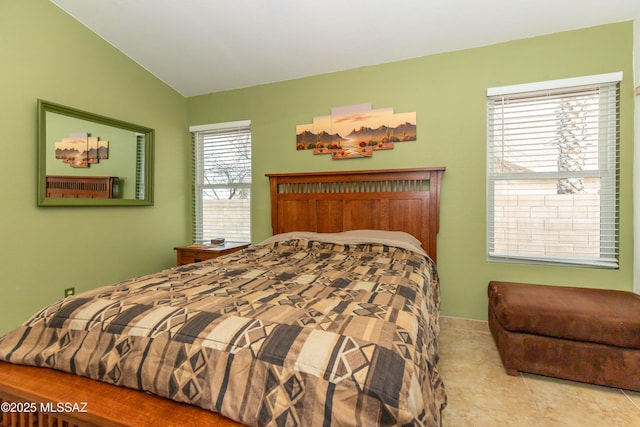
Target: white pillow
point(400, 236)
point(391, 238)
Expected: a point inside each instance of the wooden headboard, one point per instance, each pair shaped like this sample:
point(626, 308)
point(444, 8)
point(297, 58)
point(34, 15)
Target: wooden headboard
point(329, 202)
point(80, 187)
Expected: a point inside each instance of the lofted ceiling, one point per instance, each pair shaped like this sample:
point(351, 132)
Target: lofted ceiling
point(204, 46)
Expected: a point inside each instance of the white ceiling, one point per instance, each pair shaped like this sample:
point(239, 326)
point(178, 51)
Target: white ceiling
point(204, 46)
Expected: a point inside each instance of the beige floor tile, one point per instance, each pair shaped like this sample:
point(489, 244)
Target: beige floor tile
point(578, 404)
point(480, 393)
point(469, 368)
point(634, 396)
point(466, 324)
point(471, 346)
point(488, 403)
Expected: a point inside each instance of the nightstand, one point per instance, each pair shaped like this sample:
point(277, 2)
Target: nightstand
point(200, 252)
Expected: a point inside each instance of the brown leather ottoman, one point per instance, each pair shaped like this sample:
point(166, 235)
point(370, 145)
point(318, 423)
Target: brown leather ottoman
point(579, 334)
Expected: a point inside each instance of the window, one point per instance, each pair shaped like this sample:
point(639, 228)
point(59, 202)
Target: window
point(140, 167)
point(222, 181)
point(552, 172)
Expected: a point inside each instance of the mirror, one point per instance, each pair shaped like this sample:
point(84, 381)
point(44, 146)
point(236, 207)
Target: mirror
point(85, 159)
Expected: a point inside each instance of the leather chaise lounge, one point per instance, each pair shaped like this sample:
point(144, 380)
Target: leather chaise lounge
point(579, 334)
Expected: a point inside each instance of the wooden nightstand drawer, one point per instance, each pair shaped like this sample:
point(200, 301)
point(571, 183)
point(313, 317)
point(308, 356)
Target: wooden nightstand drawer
point(196, 253)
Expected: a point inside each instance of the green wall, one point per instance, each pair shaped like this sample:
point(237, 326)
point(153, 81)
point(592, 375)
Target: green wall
point(45, 53)
point(448, 93)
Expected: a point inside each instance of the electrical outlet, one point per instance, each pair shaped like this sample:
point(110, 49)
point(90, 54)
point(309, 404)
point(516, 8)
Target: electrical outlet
point(69, 291)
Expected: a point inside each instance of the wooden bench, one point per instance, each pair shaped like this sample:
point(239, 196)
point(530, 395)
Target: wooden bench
point(579, 334)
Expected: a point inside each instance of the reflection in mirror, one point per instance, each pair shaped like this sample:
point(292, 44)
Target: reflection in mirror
point(91, 160)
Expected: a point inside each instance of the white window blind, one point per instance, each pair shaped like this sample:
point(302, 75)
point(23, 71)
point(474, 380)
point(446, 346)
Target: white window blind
point(552, 172)
point(140, 167)
point(222, 181)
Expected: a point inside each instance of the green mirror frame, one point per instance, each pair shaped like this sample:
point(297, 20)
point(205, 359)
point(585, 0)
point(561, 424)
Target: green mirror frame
point(56, 114)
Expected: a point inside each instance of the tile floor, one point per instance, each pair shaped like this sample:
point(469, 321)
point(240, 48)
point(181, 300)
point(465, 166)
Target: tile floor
point(481, 394)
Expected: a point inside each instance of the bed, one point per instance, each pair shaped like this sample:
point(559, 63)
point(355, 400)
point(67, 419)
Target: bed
point(332, 321)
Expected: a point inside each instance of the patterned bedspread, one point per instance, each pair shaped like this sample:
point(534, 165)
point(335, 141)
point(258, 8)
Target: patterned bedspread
point(297, 332)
